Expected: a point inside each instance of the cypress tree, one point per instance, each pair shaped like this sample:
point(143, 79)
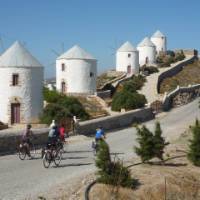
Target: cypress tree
point(159, 142)
point(103, 161)
point(194, 147)
point(109, 172)
point(146, 144)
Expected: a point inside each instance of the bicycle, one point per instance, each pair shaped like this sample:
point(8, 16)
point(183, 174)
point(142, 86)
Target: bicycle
point(94, 148)
point(23, 150)
point(52, 154)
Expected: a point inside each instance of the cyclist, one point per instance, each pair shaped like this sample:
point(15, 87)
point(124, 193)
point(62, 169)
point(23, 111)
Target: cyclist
point(26, 138)
point(62, 132)
point(99, 134)
point(53, 135)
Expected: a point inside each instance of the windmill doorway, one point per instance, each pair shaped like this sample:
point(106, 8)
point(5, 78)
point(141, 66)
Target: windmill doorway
point(63, 87)
point(15, 113)
point(128, 69)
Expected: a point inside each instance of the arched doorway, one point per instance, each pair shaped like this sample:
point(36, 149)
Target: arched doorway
point(15, 113)
point(63, 87)
point(128, 69)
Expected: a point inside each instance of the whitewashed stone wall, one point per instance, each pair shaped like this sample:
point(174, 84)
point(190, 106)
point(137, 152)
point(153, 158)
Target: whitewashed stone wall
point(28, 93)
point(123, 61)
point(77, 75)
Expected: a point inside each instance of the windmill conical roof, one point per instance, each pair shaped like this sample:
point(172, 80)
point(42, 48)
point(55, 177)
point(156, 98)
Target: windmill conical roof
point(76, 52)
point(146, 42)
point(158, 34)
point(18, 56)
point(127, 46)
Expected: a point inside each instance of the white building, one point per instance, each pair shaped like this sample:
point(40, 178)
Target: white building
point(127, 59)
point(160, 41)
point(76, 72)
point(147, 52)
point(21, 85)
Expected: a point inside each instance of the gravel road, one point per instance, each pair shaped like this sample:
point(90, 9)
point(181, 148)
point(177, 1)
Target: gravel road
point(27, 179)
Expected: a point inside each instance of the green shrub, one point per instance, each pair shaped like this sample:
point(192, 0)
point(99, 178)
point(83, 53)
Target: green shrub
point(170, 57)
point(171, 53)
point(51, 96)
point(159, 142)
point(138, 81)
point(127, 100)
point(194, 147)
point(60, 107)
point(129, 86)
point(150, 69)
point(179, 56)
point(113, 173)
point(150, 145)
point(146, 144)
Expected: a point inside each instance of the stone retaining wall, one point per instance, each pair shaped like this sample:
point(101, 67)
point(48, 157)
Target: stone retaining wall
point(180, 96)
point(173, 71)
point(117, 121)
point(103, 94)
point(9, 139)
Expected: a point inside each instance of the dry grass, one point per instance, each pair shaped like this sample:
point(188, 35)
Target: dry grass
point(107, 77)
point(188, 76)
point(92, 107)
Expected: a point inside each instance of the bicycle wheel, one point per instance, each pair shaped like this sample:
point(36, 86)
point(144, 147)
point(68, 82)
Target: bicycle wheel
point(57, 157)
point(22, 152)
point(32, 150)
point(47, 159)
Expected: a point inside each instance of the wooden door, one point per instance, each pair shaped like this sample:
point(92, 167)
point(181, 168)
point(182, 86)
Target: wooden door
point(63, 87)
point(15, 113)
point(129, 69)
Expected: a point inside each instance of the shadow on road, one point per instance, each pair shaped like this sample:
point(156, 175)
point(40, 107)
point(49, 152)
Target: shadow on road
point(75, 157)
point(72, 165)
point(79, 151)
point(117, 153)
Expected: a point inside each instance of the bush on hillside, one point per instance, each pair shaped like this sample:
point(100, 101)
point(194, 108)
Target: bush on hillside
point(194, 147)
point(164, 60)
point(179, 56)
point(113, 173)
point(129, 86)
point(128, 101)
point(51, 96)
point(60, 107)
point(149, 69)
point(170, 53)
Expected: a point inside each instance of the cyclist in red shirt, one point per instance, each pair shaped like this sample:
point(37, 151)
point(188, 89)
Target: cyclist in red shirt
point(62, 132)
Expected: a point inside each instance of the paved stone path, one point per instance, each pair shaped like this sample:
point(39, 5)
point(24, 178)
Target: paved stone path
point(150, 87)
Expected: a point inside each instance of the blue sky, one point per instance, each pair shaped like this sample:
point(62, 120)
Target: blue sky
point(99, 27)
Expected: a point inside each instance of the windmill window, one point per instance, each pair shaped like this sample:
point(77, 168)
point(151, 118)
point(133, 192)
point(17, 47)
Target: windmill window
point(91, 74)
point(15, 79)
point(129, 55)
point(63, 67)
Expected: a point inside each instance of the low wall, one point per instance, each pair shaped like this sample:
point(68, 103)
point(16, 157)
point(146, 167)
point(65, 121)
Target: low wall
point(9, 139)
point(180, 96)
point(112, 81)
point(103, 94)
point(173, 71)
point(117, 121)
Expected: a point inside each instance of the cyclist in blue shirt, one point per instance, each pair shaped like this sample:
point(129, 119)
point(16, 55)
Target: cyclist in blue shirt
point(99, 134)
